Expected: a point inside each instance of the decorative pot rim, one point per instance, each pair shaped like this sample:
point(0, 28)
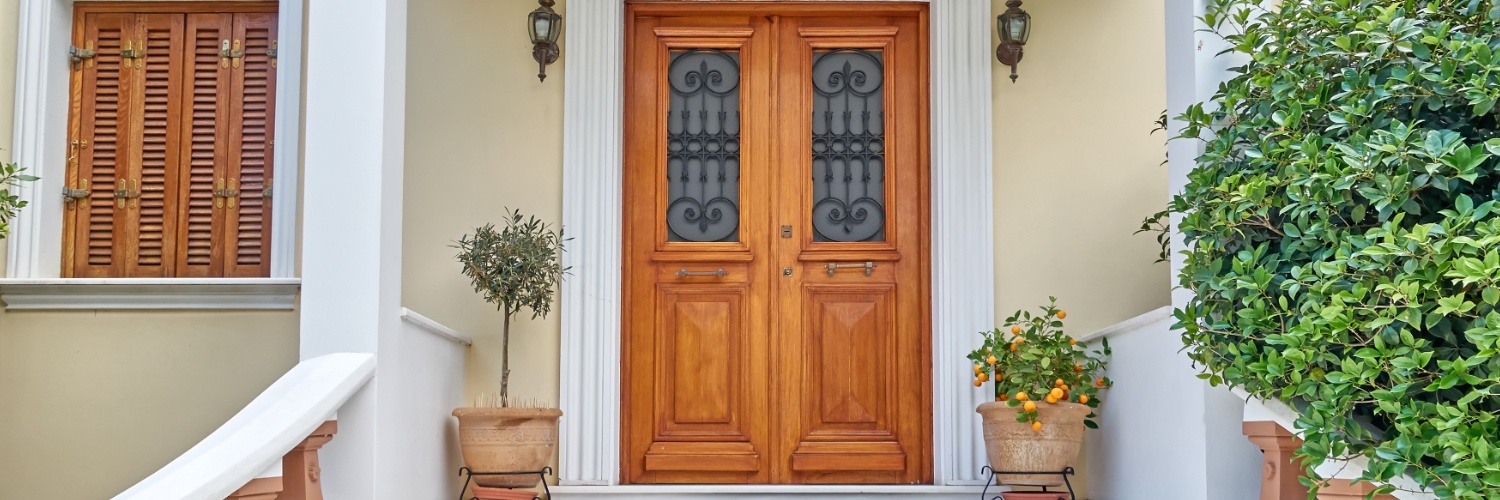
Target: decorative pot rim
point(471, 411)
point(1061, 405)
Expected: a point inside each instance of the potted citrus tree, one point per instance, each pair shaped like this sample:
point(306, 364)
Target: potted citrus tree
point(517, 269)
point(1046, 387)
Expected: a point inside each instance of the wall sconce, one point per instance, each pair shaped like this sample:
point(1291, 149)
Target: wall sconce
point(545, 26)
point(1015, 27)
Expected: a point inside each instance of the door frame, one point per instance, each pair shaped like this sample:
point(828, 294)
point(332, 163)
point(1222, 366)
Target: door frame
point(962, 237)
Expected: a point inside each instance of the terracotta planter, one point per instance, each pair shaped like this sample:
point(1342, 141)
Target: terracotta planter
point(507, 440)
point(1013, 446)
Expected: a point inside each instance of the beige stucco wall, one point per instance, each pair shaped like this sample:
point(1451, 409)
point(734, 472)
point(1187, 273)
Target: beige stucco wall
point(92, 402)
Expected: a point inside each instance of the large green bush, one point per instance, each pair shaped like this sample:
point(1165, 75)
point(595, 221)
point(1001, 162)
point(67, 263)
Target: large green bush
point(1343, 232)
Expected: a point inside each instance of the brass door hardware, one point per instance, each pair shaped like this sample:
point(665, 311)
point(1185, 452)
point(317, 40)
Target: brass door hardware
point(229, 52)
point(786, 271)
point(272, 53)
point(123, 193)
point(266, 191)
point(71, 197)
point(717, 273)
point(786, 231)
point(230, 192)
point(84, 55)
point(869, 267)
point(139, 55)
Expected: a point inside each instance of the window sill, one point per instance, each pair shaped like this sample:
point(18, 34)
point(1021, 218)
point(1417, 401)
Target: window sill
point(150, 293)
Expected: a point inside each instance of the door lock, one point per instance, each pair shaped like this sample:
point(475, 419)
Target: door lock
point(786, 232)
point(786, 271)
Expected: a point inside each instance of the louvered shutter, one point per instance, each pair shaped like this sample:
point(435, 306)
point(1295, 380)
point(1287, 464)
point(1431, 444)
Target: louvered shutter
point(251, 132)
point(97, 151)
point(205, 156)
point(150, 214)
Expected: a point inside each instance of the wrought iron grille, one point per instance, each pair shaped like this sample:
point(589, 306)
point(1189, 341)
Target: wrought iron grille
point(848, 145)
point(703, 146)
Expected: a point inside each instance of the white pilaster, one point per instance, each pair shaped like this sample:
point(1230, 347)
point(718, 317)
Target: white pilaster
point(592, 175)
point(963, 227)
point(39, 137)
point(351, 249)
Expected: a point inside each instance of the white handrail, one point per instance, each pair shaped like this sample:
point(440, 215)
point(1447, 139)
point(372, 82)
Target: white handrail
point(435, 328)
point(260, 434)
point(1130, 325)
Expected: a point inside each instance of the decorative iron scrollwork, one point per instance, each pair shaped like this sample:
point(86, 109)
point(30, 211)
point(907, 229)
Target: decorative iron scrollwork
point(848, 146)
point(703, 146)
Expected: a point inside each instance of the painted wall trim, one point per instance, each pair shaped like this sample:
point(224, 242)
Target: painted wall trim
point(963, 235)
point(150, 294)
point(1130, 325)
point(435, 328)
point(34, 248)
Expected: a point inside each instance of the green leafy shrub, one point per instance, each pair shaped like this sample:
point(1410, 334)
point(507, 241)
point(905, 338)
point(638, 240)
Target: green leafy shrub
point(515, 268)
point(10, 175)
point(1343, 233)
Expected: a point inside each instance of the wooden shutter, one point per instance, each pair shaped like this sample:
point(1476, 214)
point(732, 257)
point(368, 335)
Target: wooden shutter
point(206, 108)
point(151, 215)
point(251, 132)
point(95, 150)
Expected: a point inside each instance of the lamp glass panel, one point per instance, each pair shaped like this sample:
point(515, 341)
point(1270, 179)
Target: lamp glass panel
point(1020, 28)
point(555, 27)
point(540, 26)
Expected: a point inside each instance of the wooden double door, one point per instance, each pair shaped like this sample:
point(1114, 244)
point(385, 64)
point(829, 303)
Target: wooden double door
point(776, 244)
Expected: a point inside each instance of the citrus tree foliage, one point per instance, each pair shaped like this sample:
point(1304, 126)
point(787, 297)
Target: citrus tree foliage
point(1344, 238)
point(1033, 361)
point(10, 175)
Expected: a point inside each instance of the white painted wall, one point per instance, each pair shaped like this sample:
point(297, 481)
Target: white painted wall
point(425, 384)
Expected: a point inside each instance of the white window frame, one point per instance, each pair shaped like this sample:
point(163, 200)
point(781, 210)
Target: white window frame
point(33, 266)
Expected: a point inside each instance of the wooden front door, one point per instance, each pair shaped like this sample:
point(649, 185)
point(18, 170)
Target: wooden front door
point(776, 244)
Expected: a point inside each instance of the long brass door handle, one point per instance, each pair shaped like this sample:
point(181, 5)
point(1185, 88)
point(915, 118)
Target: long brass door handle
point(868, 266)
point(717, 273)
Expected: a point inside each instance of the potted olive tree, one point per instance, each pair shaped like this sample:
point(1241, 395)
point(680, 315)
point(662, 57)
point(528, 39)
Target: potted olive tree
point(10, 175)
point(517, 269)
point(1046, 387)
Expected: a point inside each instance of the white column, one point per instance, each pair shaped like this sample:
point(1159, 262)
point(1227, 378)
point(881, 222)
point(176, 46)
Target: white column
point(592, 175)
point(963, 228)
point(351, 248)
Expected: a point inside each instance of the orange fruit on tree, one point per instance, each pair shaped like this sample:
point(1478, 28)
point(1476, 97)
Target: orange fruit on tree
point(1030, 406)
point(992, 360)
point(1083, 398)
point(1021, 396)
point(1072, 341)
point(1099, 382)
point(984, 377)
point(1002, 397)
point(1058, 382)
point(1077, 368)
point(1015, 330)
point(1056, 393)
point(1051, 399)
point(978, 368)
point(1036, 426)
point(1061, 314)
point(1013, 347)
point(978, 383)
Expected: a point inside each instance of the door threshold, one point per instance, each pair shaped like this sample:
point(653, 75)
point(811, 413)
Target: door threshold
point(772, 491)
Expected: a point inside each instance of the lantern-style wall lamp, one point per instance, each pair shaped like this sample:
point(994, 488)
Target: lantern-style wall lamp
point(1015, 27)
point(545, 25)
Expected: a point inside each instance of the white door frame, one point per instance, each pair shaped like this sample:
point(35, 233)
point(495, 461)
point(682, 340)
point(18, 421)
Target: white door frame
point(963, 284)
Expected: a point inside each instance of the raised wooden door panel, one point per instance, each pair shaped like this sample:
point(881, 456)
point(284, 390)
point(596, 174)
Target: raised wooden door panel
point(695, 304)
point(854, 156)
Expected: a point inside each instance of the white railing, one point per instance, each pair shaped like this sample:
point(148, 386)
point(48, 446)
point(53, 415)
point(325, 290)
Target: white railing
point(254, 440)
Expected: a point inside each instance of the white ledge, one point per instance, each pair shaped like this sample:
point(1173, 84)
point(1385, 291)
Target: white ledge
point(150, 293)
point(1130, 325)
point(769, 492)
point(434, 327)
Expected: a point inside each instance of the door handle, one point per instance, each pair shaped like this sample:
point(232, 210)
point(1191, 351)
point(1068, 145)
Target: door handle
point(869, 267)
point(717, 273)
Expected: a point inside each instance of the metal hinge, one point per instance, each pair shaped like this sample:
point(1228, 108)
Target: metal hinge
point(122, 193)
point(78, 55)
point(272, 53)
point(132, 53)
point(230, 192)
point(71, 197)
point(229, 52)
point(266, 191)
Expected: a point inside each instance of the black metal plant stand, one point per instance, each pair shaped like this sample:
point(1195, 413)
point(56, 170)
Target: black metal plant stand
point(469, 478)
point(984, 495)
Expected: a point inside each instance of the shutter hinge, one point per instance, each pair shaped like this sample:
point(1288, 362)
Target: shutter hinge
point(78, 55)
point(266, 192)
point(231, 193)
point(122, 193)
point(71, 197)
point(272, 53)
point(129, 53)
point(230, 52)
